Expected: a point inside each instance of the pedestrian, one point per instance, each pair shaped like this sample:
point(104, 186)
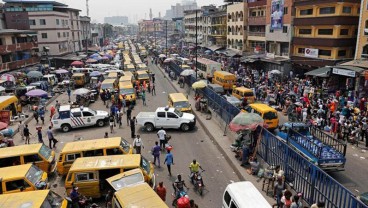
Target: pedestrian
point(319, 204)
point(57, 106)
point(21, 129)
point(129, 115)
point(296, 203)
point(123, 103)
point(51, 138)
point(144, 98)
point(138, 144)
point(74, 196)
point(108, 199)
point(69, 93)
point(35, 115)
point(161, 134)
point(39, 134)
point(192, 204)
point(279, 187)
point(106, 135)
point(169, 160)
point(41, 113)
point(52, 112)
point(120, 118)
point(132, 126)
point(111, 123)
point(26, 134)
point(153, 89)
point(156, 154)
point(161, 191)
point(246, 149)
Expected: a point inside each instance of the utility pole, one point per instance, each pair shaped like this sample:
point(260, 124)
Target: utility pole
point(166, 36)
point(154, 27)
point(196, 38)
point(87, 8)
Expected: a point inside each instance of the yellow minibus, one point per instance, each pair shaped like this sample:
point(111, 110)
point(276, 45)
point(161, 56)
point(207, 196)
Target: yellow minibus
point(180, 102)
point(241, 92)
point(268, 114)
point(224, 79)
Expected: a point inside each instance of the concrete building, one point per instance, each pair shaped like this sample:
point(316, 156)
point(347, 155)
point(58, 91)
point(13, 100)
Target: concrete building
point(86, 34)
point(362, 40)
point(18, 48)
point(97, 34)
point(190, 26)
point(324, 32)
point(256, 36)
point(237, 15)
point(217, 36)
point(116, 20)
point(57, 25)
point(178, 9)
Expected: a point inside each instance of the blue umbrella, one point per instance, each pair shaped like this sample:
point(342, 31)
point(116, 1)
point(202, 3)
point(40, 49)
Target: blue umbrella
point(208, 51)
point(108, 55)
point(94, 55)
point(96, 58)
point(36, 93)
point(95, 74)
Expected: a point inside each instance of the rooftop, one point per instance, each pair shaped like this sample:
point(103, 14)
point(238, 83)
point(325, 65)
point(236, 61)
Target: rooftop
point(55, 3)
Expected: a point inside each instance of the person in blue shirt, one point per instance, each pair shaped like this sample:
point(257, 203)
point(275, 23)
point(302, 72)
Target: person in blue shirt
point(169, 160)
point(41, 113)
point(156, 154)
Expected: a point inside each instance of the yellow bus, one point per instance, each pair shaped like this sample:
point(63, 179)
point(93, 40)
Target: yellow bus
point(30, 199)
point(126, 78)
point(268, 114)
point(141, 195)
point(127, 178)
point(89, 148)
point(89, 173)
point(109, 84)
point(180, 102)
point(126, 88)
point(79, 79)
point(142, 67)
point(112, 75)
point(142, 76)
point(224, 79)
point(22, 178)
point(130, 68)
point(11, 104)
point(241, 92)
point(38, 154)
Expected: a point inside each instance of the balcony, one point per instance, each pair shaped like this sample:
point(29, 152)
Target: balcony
point(259, 34)
point(5, 49)
point(257, 3)
point(260, 20)
point(19, 64)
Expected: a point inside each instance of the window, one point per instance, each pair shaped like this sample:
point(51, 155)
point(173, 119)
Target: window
point(161, 114)
point(325, 31)
point(233, 205)
point(86, 113)
point(285, 10)
point(305, 31)
point(344, 32)
point(346, 10)
point(171, 115)
point(67, 34)
point(84, 176)
point(271, 30)
point(306, 12)
point(72, 157)
point(327, 10)
point(324, 52)
point(77, 114)
point(114, 151)
point(341, 53)
point(64, 35)
point(227, 198)
point(42, 22)
point(284, 29)
point(44, 35)
point(253, 14)
point(57, 22)
point(17, 184)
point(58, 35)
point(32, 158)
point(32, 22)
point(92, 153)
point(301, 50)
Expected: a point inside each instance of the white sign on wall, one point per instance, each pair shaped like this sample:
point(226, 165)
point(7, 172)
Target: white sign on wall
point(311, 52)
point(343, 72)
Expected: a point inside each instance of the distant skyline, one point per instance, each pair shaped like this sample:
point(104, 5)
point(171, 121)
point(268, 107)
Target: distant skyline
point(135, 10)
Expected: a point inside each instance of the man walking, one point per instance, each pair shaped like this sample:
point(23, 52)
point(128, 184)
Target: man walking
point(161, 191)
point(129, 115)
point(21, 129)
point(26, 134)
point(153, 89)
point(132, 127)
point(156, 154)
point(69, 93)
point(51, 137)
point(144, 98)
point(169, 160)
point(138, 144)
point(161, 134)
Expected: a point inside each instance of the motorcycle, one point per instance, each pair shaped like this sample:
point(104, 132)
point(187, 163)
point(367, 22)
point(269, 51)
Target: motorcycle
point(197, 181)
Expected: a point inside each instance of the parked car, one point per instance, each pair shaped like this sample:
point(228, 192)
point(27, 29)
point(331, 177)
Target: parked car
point(233, 100)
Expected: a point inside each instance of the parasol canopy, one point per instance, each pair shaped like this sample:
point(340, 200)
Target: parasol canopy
point(61, 71)
point(91, 61)
point(199, 84)
point(275, 71)
point(8, 77)
point(162, 56)
point(187, 72)
point(95, 74)
point(3, 125)
point(77, 63)
point(94, 55)
point(168, 60)
point(36, 93)
point(34, 74)
point(246, 121)
point(105, 58)
point(81, 91)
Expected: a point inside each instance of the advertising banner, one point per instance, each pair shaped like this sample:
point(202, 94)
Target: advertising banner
point(277, 13)
point(311, 52)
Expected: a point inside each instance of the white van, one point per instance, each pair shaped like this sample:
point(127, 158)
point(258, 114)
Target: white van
point(243, 195)
point(82, 70)
point(51, 79)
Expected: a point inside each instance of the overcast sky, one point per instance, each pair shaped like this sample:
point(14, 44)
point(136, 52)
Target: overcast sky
point(134, 9)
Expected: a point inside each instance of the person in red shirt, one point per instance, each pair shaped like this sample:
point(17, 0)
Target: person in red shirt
point(52, 112)
point(161, 191)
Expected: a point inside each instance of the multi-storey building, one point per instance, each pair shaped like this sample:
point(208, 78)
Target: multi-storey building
point(278, 28)
point(237, 15)
point(57, 25)
point(207, 13)
point(362, 40)
point(256, 36)
point(178, 9)
point(86, 34)
point(218, 27)
point(325, 32)
point(17, 49)
point(116, 20)
point(193, 25)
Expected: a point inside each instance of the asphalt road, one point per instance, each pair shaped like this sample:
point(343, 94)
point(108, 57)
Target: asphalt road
point(186, 147)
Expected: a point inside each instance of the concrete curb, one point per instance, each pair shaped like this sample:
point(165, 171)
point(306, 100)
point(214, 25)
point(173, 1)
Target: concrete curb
point(209, 134)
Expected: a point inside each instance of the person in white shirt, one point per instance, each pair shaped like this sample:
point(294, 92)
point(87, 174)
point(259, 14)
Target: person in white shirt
point(161, 134)
point(138, 144)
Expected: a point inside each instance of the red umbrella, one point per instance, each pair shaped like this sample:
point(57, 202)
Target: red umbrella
point(3, 125)
point(77, 63)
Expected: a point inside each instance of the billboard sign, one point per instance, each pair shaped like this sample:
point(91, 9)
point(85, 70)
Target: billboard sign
point(277, 13)
point(311, 52)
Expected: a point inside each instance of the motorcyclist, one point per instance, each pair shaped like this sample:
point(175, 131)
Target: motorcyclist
point(194, 169)
point(179, 185)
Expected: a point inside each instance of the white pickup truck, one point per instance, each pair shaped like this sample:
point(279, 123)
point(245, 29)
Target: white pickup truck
point(168, 118)
point(68, 118)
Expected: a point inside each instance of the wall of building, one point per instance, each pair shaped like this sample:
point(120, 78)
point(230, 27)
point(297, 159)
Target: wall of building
point(362, 40)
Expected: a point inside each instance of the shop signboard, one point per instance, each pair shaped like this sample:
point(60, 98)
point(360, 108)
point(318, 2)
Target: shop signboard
point(311, 52)
point(277, 13)
point(343, 72)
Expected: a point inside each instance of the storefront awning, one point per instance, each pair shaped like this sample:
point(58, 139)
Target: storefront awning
point(320, 72)
point(214, 47)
